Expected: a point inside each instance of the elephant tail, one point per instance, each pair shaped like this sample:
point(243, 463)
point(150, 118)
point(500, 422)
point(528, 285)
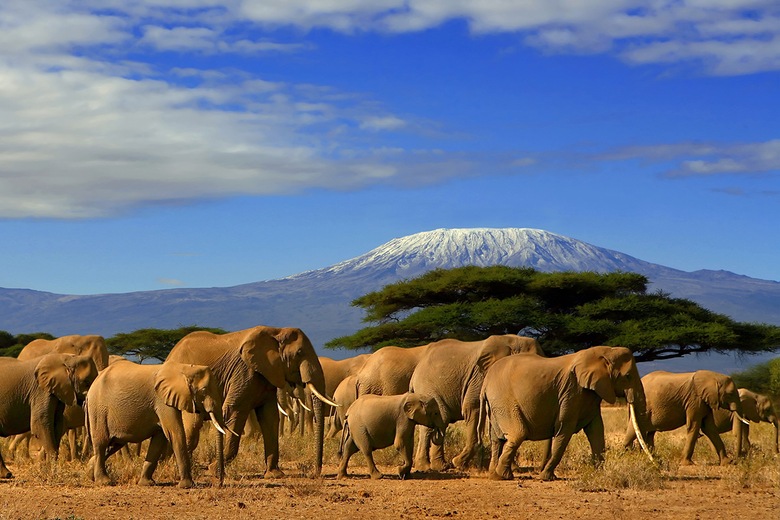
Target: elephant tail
point(484, 410)
point(344, 435)
point(87, 431)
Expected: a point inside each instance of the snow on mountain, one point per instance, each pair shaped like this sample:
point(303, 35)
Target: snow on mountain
point(447, 248)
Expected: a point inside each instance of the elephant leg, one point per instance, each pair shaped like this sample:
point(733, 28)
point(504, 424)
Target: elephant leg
point(436, 453)
point(496, 448)
point(594, 431)
point(692, 427)
point(743, 445)
point(372, 469)
point(405, 446)
point(462, 459)
point(4, 472)
point(71, 453)
point(174, 433)
point(503, 467)
point(559, 443)
point(23, 439)
point(711, 431)
point(349, 449)
point(422, 460)
point(546, 453)
point(157, 446)
point(268, 417)
point(98, 461)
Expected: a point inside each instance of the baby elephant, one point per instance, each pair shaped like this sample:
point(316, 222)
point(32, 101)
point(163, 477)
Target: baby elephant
point(378, 421)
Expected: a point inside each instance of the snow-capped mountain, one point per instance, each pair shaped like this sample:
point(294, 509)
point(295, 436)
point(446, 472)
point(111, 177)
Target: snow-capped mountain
point(319, 301)
point(446, 248)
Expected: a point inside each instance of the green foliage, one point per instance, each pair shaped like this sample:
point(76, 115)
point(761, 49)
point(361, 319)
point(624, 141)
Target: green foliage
point(566, 311)
point(151, 343)
point(11, 345)
point(763, 378)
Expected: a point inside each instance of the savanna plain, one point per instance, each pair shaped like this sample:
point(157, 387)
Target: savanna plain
point(627, 485)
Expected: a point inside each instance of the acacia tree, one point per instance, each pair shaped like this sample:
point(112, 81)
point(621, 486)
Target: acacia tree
point(565, 311)
point(151, 343)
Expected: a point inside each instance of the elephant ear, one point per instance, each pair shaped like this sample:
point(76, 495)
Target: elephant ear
point(174, 387)
point(260, 351)
point(594, 372)
point(491, 352)
point(708, 388)
point(55, 378)
point(414, 407)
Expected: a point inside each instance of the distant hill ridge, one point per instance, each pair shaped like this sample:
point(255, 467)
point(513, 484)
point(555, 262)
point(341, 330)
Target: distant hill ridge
point(319, 301)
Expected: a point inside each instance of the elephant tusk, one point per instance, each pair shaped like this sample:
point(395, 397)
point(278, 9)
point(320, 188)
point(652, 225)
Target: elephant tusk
point(216, 423)
point(282, 410)
point(221, 429)
point(743, 419)
point(303, 405)
point(320, 396)
point(639, 436)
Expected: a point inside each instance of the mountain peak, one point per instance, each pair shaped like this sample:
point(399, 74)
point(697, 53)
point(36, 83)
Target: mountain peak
point(415, 254)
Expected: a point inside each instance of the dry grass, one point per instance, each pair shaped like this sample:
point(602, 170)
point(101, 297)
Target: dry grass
point(620, 470)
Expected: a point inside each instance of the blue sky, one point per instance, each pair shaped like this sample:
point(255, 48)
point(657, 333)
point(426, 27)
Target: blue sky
point(168, 143)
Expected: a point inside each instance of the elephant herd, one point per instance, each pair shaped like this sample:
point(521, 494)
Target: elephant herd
point(503, 385)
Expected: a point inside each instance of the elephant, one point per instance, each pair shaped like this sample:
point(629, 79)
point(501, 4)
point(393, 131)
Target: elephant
point(534, 398)
point(687, 399)
point(378, 421)
point(249, 366)
point(345, 395)
point(129, 402)
point(389, 370)
point(756, 408)
point(452, 371)
point(34, 393)
point(336, 370)
point(92, 346)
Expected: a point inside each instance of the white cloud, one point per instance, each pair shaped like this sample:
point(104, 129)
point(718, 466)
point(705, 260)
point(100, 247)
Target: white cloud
point(91, 128)
point(705, 159)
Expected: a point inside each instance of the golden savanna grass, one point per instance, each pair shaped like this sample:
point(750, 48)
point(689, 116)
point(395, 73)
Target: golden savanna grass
point(620, 469)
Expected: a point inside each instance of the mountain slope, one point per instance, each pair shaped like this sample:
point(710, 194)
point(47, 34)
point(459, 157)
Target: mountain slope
point(318, 301)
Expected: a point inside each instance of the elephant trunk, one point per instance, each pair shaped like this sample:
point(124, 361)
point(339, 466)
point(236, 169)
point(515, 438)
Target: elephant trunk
point(319, 432)
point(736, 408)
point(776, 422)
point(314, 380)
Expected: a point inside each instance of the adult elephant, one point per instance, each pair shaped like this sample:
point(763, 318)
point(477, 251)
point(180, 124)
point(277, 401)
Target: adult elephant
point(129, 402)
point(756, 408)
point(687, 399)
point(389, 370)
point(92, 345)
point(335, 370)
point(345, 395)
point(451, 372)
point(34, 393)
point(249, 366)
point(535, 398)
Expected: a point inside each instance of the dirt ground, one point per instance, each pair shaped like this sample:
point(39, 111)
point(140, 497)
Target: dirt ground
point(688, 495)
